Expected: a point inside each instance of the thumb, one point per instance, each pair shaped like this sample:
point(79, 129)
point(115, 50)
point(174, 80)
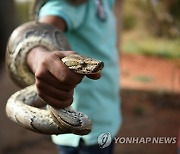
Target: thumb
point(94, 76)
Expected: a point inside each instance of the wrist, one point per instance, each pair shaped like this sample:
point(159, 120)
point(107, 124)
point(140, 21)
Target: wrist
point(33, 57)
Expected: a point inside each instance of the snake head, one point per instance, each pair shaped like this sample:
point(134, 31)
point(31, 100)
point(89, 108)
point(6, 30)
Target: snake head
point(82, 64)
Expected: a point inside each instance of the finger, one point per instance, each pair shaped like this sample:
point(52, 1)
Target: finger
point(53, 70)
point(61, 71)
point(63, 54)
point(67, 53)
point(48, 78)
point(53, 92)
point(55, 102)
point(94, 76)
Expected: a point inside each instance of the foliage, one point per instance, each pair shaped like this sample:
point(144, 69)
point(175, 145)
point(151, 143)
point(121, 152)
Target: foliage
point(161, 18)
point(152, 46)
point(129, 17)
point(152, 28)
point(174, 9)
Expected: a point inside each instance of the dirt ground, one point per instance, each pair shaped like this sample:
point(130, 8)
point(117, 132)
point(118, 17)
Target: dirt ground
point(150, 107)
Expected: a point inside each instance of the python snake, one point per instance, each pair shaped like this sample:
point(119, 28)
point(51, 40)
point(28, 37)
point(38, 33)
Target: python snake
point(25, 107)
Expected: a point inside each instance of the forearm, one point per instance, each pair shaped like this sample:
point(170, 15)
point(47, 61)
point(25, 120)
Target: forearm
point(54, 20)
point(36, 53)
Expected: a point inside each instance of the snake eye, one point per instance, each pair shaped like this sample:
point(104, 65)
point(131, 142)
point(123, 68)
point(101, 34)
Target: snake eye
point(82, 63)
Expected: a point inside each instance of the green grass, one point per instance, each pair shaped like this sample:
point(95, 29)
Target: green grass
point(143, 79)
point(149, 46)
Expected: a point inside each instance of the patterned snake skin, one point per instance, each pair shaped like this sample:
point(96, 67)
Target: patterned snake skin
point(25, 107)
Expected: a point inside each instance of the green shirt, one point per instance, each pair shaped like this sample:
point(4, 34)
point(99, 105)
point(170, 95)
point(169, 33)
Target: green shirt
point(90, 36)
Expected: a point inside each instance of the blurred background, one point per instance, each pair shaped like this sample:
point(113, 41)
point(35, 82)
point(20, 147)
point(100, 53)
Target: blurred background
point(149, 47)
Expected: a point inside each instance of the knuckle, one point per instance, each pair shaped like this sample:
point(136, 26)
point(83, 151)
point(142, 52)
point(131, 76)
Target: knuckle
point(79, 79)
point(42, 62)
point(55, 56)
point(40, 93)
point(64, 76)
point(40, 88)
point(69, 102)
point(39, 73)
point(66, 103)
point(70, 78)
point(68, 95)
point(76, 80)
point(38, 85)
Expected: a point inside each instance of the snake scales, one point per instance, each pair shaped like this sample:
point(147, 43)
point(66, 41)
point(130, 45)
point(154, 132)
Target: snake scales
point(25, 107)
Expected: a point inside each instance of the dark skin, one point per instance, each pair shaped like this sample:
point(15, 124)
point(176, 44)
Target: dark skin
point(54, 81)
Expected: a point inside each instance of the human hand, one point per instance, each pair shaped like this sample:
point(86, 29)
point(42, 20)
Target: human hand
point(54, 81)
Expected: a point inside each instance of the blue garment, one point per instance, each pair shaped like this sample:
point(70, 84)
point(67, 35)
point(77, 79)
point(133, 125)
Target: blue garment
point(90, 36)
point(83, 149)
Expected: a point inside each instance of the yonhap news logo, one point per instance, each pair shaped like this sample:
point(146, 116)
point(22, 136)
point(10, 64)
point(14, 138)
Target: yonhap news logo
point(104, 140)
point(145, 140)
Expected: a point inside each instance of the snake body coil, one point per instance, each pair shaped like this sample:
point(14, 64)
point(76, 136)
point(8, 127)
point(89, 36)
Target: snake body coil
point(25, 107)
